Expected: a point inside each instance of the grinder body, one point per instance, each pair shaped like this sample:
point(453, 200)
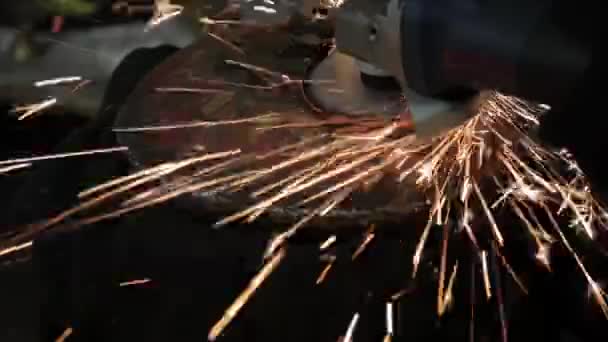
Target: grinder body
point(443, 52)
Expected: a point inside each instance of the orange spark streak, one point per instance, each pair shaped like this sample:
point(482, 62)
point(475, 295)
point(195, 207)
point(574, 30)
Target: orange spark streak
point(325, 271)
point(244, 297)
point(10, 168)
point(348, 337)
point(327, 243)
point(135, 282)
point(486, 275)
point(14, 249)
point(368, 239)
point(64, 336)
point(195, 124)
point(442, 270)
point(32, 109)
point(63, 155)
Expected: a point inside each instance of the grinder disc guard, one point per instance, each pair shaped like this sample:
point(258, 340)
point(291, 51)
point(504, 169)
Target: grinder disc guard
point(224, 91)
point(347, 92)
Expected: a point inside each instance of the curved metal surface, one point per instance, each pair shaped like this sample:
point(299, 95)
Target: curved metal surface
point(203, 66)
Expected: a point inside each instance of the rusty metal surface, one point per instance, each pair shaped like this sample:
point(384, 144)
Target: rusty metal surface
point(203, 66)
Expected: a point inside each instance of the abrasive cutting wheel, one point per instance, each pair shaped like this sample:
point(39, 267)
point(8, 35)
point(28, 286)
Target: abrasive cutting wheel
point(214, 81)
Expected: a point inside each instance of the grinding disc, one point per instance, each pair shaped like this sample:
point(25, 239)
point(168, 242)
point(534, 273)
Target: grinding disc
point(203, 66)
point(348, 93)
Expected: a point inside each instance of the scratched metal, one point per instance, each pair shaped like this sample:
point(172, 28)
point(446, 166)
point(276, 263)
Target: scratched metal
point(198, 66)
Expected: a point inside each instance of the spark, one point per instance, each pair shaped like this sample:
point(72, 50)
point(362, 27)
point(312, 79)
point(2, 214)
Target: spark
point(135, 282)
point(292, 180)
point(144, 179)
point(58, 81)
point(332, 3)
point(448, 298)
point(327, 243)
point(348, 337)
point(125, 179)
point(514, 275)
point(325, 271)
point(486, 275)
point(244, 297)
point(196, 124)
point(80, 85)
point(279, 78)
point(64, 155)
point(489, 215)
point(542, 255)
point(594, 288)
point(65, 335)
point(209, 21)
point(442, 269)
point(273, 245)
point(138, 205)
point(400, 294)
point(425, 172)
point(226, 43)
point(17, 248)
point(267, 10)
point(580, 218)
point(268, 202)
point(29, 110)
point(499, 296)
point(163, 11)
point(193, 90)
point(369, 236)
point(420, 247)
point(390, 330)
point(19, 166)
